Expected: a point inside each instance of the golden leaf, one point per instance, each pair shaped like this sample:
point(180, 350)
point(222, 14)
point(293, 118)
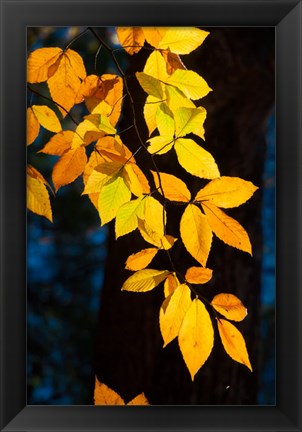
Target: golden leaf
point(155, 216)
point(136, 179)
point(198, 275)
point(183, 40)
point(112, 196)
point(150, 109)
point(144, 280)
point(196, 233)
point(173, 61)
point(47, 118)
point(127, 216)
point(103, 395)
point(160, 144)
point(165, 121)
point(195, 160)
point(189, 83)
point(171, 283)
point(227, 192)
point(33, 126)
point(226, 228)
point(40, 62)
point(196, 337)
point(140, 260)
point(37, 195)
point(70, 165)
point(59, 143)
point(173, 311)
point(233, 342)
point(131, 38)
point(174, 188)
point(139, 400)
point(229, 306)
point(150, 85)
point(156, 66)
point(154, 35)
point(189, 120)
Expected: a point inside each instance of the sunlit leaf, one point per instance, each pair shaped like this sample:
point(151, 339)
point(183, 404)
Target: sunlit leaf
point(156, 66)
point(136, 179)
point(195, 159)
point(145, 280)
point(227, 192)
point(170, 284)
point(160, 144)
point(150, 109)
point(47, 118)
point(196, 337)
point(172, 312)
point(103, 395)
point(174, 188)
point(190, 83)
point(33, 126)
point(154, 35)
point(183, 40)
point(131, 38)
point(59, 143)
point(167, 241)
point(196, 233)
point(226, 228)
point(173, 61)
point(112, 196)
point(165, 120)
point(233, 342)
point(37, 195)
point(139, 400)
point(40, 62)
point(127, 216)
point(155, 215)
point(229, 306)
point(141, 259)
point(198, 275)
point(189, 120)
point(70, 165)
point(152, 86)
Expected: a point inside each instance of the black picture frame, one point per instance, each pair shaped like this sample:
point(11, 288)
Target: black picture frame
point(285, 16)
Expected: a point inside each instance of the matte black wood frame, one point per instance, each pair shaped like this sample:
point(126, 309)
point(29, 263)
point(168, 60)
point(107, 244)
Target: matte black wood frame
point(285, 16)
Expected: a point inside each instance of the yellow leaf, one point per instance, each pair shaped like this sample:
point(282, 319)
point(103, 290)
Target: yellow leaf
point(173, 61)
point(189, 120)
point(190, 83)
point(183, 40)
point(108, 146)
point(126, 217)
point(154, 35)
point(198, 275)
point(227, 228)
point(33, 126)
point(174, 188)
point(150, 85)
point(156, 66)
point(229, 306)
point(233, 342)
point(135, 179)
point(196, 337)
point(113, 195)
point(100, 175)
point(103, 395)
point(150, 109)
point(148, 234)
point(65, 83)
point(176, 99)
point(47, 118)
point(140, 260)
point(95, 159)
point(170, 284)
point(167, 242)
point(195, 159)
point(144, 280)
point(59, 143)
point(37, 195)
point(96, 123)
point(155, 215)
point(164, 120)
point(40, 62)
point(160, 144)
point(196, 233)
point(131, 38)
point(70, 165)
point(139, 400)
point(226, 192)
point(173, 311)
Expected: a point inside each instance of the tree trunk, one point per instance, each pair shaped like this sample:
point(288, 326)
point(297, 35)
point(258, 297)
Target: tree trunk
point(238, 64)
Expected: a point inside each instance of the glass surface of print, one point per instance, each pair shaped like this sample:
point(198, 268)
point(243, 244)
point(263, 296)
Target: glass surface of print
point(122, 132)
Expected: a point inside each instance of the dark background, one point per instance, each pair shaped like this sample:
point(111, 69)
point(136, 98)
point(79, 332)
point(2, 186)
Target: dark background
point(67, 261)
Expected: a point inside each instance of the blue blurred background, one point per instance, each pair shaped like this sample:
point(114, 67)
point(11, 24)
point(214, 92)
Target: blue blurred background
point(65, 269)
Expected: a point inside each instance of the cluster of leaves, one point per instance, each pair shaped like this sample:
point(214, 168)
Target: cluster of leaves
point(120, 190)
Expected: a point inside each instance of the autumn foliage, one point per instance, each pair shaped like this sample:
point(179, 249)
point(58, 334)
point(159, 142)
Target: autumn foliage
point(134, 197)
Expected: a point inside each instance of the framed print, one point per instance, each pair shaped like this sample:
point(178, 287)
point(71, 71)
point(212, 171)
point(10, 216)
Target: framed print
point(232, 75)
